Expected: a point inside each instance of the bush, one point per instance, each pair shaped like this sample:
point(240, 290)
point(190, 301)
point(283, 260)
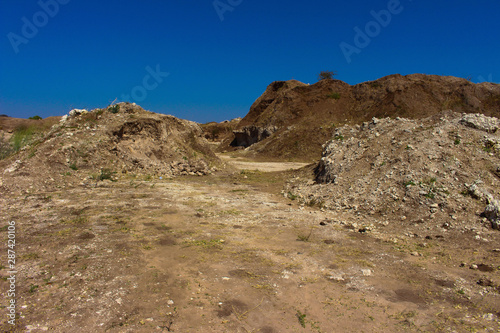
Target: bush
point(35, 118)
point(114, 108)
point(334, 95)
point(326, 75)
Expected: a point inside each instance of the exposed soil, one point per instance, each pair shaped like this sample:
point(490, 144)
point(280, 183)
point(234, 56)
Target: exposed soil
point(241, 163)
point(227, 253)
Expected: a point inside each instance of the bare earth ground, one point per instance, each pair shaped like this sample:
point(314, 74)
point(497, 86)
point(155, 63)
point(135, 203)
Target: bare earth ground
point(227, 253)
point(241, 163)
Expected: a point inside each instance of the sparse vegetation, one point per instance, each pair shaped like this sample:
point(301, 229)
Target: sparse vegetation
point(6, 148)
point(114, 108)
point(302, 318)
point(409, 183)
point(334, 95)
point(106, 174)
point(22, 136)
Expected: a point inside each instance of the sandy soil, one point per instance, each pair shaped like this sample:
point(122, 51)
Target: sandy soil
point(241, 163)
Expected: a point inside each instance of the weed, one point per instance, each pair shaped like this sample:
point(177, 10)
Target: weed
point(206, 244)
point(304, 238)
point(291, 196)
point(73, 166)
point(302, 318)
point(114, 108)
point(457, 141)
point(262, 286)
point(23, 135)
point(106, 174)
point(409, 183)
point(29, 256)
point(5, 148)
point(339, 137)
point(33, 288)
point(334, 95)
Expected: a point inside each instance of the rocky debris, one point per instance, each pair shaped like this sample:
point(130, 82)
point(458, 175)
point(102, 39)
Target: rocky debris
point(492, 213)
point(249, 135)
point(437, 170)
point(480, 122)
point(78, 112)
point(120, 139)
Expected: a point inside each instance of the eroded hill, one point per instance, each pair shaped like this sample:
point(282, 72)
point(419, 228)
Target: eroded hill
point(124, 138)
point(292, 120)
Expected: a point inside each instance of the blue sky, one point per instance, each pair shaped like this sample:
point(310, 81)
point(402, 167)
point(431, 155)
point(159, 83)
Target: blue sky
point(85, 54)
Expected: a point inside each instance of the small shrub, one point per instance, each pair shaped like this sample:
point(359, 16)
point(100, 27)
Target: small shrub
point(430, 195)
point(73, 166)
point(334, 95)
point(106, 174)
point(457, 141)
point(339, 137)
point(114, 108)
point(35, 118)
point(302, 318)
point(409, 183)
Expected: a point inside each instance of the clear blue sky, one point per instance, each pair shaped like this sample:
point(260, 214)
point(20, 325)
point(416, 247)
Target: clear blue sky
point(87, 53)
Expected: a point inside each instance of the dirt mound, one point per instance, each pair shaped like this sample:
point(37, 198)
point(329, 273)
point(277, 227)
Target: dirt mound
point(104, 143)
point(218, 132)
point(298, 118)
point(437, 172)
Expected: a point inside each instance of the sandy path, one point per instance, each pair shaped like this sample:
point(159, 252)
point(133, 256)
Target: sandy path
point(241, 164)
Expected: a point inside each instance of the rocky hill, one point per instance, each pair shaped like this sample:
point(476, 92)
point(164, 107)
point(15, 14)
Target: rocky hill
point(440, 172)
point(101, 144)
point(292, 120)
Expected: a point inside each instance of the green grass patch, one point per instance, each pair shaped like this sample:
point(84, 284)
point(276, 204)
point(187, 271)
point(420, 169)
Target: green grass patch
point(334, 95)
